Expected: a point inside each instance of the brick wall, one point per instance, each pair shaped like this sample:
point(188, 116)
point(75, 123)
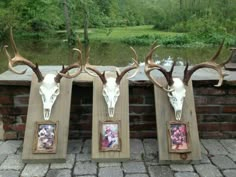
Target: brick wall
point(215, 107)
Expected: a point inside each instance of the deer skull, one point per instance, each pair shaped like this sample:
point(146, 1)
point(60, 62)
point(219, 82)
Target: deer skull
point(111, 92)
point(175, 86)
point(176, 96)
point(49, 90)
point(50, 84)
point(111, 85)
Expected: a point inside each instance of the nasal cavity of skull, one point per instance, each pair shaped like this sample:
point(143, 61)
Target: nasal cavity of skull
point(42, 95)
point(55, 94)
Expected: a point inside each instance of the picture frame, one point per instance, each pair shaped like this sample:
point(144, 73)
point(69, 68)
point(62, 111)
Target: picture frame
point(109, 132)
point(178, 137)
point(45, 137)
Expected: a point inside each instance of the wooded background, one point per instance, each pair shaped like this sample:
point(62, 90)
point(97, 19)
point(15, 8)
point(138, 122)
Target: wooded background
point(203, 18)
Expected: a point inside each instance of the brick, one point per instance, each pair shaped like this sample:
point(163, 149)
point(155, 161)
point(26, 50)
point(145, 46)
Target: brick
point(208, 109)
point(142, 109)
point(232, 91)
point(35, 170)
point(209, 127)
point(136, 99)
point(11, 135)
point(149, 99)
point(221, 100)
point(223, 162)
point(110, 171)
point(21, 100)
point(200, 100)
point(228, 126)
point(10, 110)
point(13, 90)
point(134, 167)
point(229, 109)
point(20, 127)
point(209, 91)
point(214, 134)
point(143, 126)
point(6, 100)
point(141, 91)
point(217, 118)
point(143, 134)
point(208, 170)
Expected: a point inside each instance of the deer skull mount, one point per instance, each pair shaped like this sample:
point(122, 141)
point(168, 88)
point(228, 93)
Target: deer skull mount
point(176, 96)
point(111, 92)
point(49, 90)
point(111, 85)
point(176, 90)
point(50, 84)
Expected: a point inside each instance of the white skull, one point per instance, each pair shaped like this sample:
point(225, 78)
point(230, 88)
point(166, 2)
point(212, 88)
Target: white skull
point(49, 90)
point(111, 92)
point(176, 96)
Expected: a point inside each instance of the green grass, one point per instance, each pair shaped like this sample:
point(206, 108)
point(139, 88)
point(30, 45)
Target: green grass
point(117, 34)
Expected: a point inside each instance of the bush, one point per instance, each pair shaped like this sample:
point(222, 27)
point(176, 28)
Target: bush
point(177, 40)
point(139, 40)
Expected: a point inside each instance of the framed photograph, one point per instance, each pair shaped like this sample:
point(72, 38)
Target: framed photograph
point(109, 136)
point(178, 136)
point(45, 137)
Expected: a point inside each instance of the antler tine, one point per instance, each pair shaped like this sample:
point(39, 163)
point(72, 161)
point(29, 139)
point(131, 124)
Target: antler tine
point(133, 66)
point(64, 71)
point(208, 64)
point(88, 67)
point(150, 66)
point(19, 59)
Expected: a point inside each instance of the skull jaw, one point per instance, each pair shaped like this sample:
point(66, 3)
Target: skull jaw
point(178, 114)
point(46, 113)
point(111, 112)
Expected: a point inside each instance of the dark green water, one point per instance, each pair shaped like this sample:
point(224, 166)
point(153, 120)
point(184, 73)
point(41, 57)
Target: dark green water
point(117, 54)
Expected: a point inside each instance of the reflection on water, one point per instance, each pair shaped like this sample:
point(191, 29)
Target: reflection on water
point(56, 52)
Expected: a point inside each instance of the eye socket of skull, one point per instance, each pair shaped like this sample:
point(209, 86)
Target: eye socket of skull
point(104, 93)
point(57, 91)
point(42, 95)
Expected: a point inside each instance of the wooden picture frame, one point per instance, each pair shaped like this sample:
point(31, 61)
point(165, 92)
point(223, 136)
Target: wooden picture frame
point(109, 132)
point(178, 137)
point(45, 137)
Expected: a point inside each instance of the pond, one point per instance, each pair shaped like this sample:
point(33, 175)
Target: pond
point(55, 52)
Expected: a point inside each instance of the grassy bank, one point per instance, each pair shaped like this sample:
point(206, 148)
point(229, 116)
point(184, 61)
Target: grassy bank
point(145, 35)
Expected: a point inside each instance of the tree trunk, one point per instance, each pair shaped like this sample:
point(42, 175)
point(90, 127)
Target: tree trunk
point(86, 38)
point(68, 23)
point(180, 4)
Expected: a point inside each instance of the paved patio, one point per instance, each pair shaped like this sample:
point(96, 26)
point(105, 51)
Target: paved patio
point(219, 159)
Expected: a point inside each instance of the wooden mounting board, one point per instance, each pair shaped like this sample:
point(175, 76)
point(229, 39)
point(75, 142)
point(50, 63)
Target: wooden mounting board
point(100, 114)
point(60, 112)
point(164, 114)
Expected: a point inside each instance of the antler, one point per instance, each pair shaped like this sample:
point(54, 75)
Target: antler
point(133, 66)
point(208, 64)
point(19, 59)
point(90, 67)
point(150, 66)
point(64, 71)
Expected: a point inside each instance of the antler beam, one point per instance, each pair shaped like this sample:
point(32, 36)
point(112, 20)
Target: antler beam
point(208, 64)
point(19, 59)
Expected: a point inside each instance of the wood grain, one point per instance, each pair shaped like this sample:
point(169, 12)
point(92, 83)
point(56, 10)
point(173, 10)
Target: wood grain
point(165, 113)
point(100, 114)
point(60, 112)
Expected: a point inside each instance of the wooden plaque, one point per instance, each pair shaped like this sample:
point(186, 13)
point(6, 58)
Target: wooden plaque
point(100, 114)
point(60, 114)
point(164, 115)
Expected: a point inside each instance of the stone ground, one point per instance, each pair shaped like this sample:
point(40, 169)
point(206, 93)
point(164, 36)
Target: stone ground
point(218, 159)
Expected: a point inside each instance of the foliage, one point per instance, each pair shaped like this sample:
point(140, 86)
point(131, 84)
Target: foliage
point(209, 20)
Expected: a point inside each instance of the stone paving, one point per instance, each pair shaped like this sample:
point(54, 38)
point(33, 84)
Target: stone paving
point(218, 160)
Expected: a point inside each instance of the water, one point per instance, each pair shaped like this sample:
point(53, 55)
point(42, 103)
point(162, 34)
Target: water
point(55, 52)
